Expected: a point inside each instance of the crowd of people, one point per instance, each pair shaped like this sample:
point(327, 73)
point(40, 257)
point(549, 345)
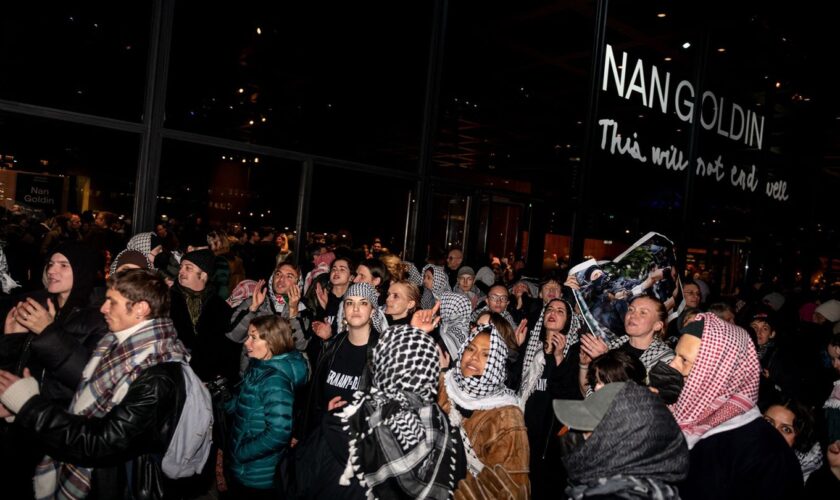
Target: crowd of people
point(352, 373)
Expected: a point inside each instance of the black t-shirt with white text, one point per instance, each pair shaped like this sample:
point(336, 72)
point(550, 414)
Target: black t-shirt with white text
point(345, 372)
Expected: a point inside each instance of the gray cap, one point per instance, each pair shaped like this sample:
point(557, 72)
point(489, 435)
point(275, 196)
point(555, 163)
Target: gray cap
point(466, 270)
point(587, 414)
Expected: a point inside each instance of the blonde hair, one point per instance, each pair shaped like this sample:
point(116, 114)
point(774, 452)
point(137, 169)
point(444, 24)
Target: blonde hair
point(396, 267)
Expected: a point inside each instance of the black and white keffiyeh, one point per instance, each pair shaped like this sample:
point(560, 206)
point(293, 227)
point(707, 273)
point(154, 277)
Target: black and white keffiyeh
point(454, 320)
point(533, 363)
point(7, 283)
point(141, 242)
point(414, 275)
point(487, 391)
point(441, 285)
point(810, 460)
point(367, 291)
point(656, 352)
point(401, 442)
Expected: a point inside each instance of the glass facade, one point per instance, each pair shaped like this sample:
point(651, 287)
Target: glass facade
point(488, 127)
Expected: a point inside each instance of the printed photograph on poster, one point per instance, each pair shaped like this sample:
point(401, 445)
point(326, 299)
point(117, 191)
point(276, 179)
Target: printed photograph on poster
point(604, 289)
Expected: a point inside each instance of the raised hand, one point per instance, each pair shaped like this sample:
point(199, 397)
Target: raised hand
point(556, 344)
point(33, 316)
point(592, 346)
point(522, 332)
point(321, 293)
point(444, 358)
point(260, 293)
point(294, 300)
point(426, 319)
point(322, 330)
point(12, 325)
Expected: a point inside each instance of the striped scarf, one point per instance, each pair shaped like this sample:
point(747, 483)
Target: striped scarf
point(117, 366)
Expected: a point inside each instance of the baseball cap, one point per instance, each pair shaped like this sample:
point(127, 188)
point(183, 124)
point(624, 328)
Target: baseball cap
point(587, 414)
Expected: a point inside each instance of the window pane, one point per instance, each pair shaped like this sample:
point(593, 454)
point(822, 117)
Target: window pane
point(82, 56)
point(352, 208)
point(335, 82)
point(231, 190)
point(52, 167)
point(513, 90)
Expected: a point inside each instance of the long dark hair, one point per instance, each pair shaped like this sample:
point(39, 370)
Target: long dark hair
point(569, 311)
point(378, 270)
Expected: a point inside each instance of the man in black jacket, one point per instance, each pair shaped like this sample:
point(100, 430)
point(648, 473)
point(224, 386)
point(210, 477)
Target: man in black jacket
point(127, 405)
point(202, 319)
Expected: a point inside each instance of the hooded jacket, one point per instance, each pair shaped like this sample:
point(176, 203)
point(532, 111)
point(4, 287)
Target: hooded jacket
point(59, 353)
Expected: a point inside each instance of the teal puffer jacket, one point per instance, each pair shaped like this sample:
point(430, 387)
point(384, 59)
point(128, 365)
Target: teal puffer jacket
point(262, 417)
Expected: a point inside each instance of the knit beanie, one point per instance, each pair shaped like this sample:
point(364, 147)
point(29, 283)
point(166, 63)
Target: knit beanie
point(131, 257)
point(830, 310)
point(775, 300)
point(204, 259)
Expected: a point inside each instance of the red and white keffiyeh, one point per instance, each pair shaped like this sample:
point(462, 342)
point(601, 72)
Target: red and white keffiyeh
point(723, 383)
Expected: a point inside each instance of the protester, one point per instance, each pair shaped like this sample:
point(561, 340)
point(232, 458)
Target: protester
point(474, 395)
point(121, 416)
point(795, 423)
point(344, 365)
point(403, 299)
point(262, 423)
point(281, 296)
point(633, 447)
point(202, 319)
point(734, 453)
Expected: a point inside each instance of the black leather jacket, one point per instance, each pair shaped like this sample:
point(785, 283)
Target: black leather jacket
point(136, 431)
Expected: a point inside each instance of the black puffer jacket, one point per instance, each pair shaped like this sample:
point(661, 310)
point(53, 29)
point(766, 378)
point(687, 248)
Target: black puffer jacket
point(142, 424)
point(57, 356)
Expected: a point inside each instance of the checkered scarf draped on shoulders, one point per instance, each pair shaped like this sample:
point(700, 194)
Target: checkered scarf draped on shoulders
point(119, 365)
point(401, 443)
point(441, 285)
point(535, 345)
point(723, 382)
point(454, 320)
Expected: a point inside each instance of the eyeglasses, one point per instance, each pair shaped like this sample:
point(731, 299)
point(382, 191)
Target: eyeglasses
point(497, 298)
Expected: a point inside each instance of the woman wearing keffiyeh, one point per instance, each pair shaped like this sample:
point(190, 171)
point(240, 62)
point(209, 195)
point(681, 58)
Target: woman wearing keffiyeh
point(474, 394)
point(401, 443)
point(435, 284)
point(392, 441)
point(734, 453)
